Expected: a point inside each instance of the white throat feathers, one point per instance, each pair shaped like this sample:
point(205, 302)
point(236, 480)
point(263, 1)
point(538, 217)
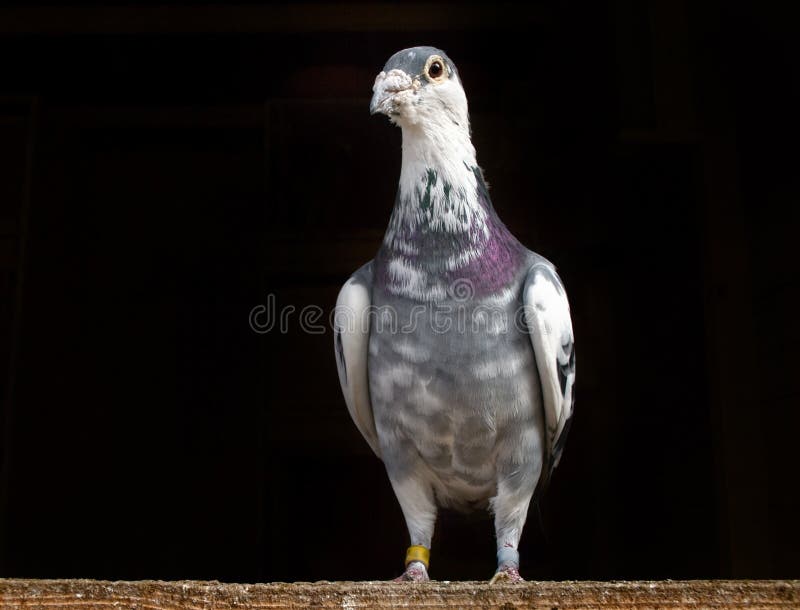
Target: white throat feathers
point(438, 188)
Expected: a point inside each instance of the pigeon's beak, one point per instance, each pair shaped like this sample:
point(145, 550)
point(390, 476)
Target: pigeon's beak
point(378, 97)
point(389, 90)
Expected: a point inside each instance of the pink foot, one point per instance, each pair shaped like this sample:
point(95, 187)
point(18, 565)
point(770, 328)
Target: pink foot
point(415, 572)
point(506, 574)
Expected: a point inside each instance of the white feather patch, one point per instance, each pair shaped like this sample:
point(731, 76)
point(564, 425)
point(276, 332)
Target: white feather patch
point(408, 280)
point(504, 366)
point(412, 352)
point(352, 329)
point(435, 123)
point(548, 317)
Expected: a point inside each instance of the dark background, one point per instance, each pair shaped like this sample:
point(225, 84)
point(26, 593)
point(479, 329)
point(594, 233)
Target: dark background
point(164, 170)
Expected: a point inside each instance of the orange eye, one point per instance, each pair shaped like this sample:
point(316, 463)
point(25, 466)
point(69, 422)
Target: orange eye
point(435, 69)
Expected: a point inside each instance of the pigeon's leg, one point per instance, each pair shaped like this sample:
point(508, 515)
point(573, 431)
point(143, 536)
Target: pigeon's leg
point(417, 503)
point(510, 507)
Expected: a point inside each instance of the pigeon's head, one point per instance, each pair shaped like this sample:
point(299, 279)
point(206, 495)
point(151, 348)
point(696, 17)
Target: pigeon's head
point(420, 86)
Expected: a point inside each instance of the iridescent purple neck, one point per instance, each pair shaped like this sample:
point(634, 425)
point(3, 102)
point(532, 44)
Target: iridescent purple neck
point(433, 257)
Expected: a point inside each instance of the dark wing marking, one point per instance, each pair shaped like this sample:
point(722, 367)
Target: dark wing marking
point(337, 342)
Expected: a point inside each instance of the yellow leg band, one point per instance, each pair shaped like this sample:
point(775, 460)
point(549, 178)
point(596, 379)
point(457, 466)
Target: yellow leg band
point(418, 553)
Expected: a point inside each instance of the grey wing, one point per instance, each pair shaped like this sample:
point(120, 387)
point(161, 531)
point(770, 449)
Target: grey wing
point(550, 327)
point(351, 344)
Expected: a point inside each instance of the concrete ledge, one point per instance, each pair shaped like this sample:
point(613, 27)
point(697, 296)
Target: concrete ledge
point(194, 595)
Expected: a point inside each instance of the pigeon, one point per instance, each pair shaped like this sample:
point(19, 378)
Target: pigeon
point(454, 345)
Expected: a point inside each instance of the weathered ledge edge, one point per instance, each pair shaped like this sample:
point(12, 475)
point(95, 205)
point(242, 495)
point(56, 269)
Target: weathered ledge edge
point(565, 595)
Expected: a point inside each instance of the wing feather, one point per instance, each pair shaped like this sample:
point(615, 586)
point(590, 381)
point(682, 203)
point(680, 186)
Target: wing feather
point(351, 345)
point(550, 326)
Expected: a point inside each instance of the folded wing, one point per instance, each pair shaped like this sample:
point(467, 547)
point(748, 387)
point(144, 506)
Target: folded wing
point(550, 326)
point(351, 343)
